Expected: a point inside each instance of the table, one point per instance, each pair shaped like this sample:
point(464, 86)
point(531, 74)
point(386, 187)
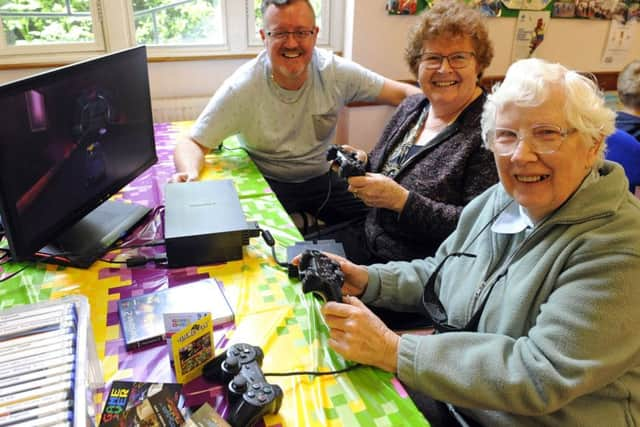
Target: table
point(271, 310)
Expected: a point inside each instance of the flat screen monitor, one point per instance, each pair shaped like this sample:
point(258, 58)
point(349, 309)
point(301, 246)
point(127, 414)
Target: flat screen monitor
point(70, 139)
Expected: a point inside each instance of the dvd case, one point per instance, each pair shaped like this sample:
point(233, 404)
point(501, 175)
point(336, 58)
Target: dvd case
point(49, 367)
point(142, 316)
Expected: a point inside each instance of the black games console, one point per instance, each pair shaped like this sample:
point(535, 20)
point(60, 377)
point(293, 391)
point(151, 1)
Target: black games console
point(204, 223)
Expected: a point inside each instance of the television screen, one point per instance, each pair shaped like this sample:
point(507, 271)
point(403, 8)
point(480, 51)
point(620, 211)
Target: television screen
point(71, 138)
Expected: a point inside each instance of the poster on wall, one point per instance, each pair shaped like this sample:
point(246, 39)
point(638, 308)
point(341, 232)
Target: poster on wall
point(529, 35)
point(564, 9)
point(526, 4)
point(620, 10)
point(405, 7)
point(490, 8)
point(618, 45)
point(597, 9)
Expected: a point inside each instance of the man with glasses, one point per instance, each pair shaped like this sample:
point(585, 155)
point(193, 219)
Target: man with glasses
point(284, 107)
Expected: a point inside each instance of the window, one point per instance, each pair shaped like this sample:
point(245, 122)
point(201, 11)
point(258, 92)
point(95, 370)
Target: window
point(49, 25)
point(186, 22)
point(69, 30)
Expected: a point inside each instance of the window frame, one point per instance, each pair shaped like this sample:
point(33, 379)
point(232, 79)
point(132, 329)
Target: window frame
point(114, 30)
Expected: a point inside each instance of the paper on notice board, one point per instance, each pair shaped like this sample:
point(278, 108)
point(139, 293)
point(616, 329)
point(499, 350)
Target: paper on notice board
point(529, 35)
point(616, 51)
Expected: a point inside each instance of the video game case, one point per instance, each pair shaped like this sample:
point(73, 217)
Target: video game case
point(63, 418)
point(36, 324)
point(142, 316)
point(36, 375)
point(33, 394)
point(34, 403)
point(35, 312)
point(35, 340)
point(35, 350)
point(30, 385)
point(206, 416)
point(36, 366)
point(51, 352)
point(36, 413)
point(125, 396)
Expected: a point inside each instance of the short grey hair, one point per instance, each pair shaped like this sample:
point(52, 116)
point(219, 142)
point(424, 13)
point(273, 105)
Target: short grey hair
point(529, 82)
point(279, 3)
point(629, 85)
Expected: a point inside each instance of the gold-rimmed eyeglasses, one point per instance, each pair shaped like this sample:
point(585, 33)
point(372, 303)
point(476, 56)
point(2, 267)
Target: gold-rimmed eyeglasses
point(433, 61)
point(542, 138)
point(297, 34)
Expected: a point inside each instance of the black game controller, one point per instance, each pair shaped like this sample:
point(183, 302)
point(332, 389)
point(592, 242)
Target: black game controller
point(347, 162)
point(250, 396)
point(321, 275)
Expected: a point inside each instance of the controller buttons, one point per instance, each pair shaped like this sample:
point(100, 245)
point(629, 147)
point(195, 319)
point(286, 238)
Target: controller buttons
point(232, 364)
point(239, 384)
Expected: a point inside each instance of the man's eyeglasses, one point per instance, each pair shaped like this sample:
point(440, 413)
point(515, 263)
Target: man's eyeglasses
point(542, 138)
point(433, 61)
point(297, 34)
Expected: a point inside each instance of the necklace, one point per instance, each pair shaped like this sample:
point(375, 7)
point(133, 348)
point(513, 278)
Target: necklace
point(284, 95)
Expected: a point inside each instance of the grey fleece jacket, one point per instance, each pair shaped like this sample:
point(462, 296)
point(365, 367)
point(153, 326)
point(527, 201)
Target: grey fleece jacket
point(558, 342)
point(451, 170)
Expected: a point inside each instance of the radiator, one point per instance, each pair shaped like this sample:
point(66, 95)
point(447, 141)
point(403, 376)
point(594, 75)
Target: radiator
point(177, 109)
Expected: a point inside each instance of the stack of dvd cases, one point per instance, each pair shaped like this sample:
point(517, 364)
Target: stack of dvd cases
point(49, 369)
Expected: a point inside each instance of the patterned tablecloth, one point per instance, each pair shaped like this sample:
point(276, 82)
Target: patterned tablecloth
point(271, 311)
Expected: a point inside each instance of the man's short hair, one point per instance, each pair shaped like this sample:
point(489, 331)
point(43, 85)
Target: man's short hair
point(279, 3)
point(629, 85)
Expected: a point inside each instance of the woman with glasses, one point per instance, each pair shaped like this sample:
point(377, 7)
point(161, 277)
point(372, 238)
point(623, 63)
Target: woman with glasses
point(429, 162)
point(535, 296)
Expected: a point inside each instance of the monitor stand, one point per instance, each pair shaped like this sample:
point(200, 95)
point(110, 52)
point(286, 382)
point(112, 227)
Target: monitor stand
point(87, 240)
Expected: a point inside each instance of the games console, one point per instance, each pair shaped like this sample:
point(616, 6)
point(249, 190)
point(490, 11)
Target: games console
point(321, 276)
point(346, 161)
point(249, 395)
point(204, 223)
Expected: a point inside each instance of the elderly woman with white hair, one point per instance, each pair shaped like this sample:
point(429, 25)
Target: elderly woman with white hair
point(535, 296)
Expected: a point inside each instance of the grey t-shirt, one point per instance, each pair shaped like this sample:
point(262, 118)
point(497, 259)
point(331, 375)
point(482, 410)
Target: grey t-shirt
point(287, 133)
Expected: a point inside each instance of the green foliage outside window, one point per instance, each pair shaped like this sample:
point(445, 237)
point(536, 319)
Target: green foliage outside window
point(46, 21)
point(66, 21)
point(178, 22)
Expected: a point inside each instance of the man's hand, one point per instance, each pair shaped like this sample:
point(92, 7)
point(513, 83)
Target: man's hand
point(356, 277)
point(188, 158)
point(359, 335)
point(184, 177)
point(379, 191)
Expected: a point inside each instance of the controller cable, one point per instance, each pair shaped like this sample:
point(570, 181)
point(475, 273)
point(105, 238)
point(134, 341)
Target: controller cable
point(271, 242)
point(314, 373)
point(316, 226)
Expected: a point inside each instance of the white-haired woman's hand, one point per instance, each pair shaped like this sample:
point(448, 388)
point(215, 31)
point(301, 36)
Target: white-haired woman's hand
point(359, 335)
